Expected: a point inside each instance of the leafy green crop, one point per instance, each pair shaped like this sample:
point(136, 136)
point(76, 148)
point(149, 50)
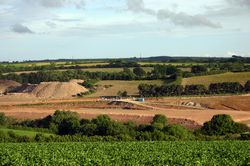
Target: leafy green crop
point(127, 153)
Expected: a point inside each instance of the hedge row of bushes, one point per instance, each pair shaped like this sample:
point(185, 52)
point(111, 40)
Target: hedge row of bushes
point(147, 90)
point(70, 128)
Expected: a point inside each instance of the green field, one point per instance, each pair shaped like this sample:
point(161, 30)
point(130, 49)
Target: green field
point(29, 64)
point(226, 77)
point(225, 153)
point(24, 132)
point(130, 86)
point(166, 63)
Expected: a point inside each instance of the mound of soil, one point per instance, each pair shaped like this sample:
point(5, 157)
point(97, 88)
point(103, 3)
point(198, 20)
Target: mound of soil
point(126, 105)
point(8, 85)
point(25, 88)
point(57, 90)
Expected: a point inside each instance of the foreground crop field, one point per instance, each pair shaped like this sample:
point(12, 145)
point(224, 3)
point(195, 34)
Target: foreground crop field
point(242, 77)
point(127, 153)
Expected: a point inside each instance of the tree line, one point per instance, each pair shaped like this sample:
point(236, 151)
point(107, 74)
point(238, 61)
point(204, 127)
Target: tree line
point(147, 90)
point(137, 73)
point(68, 126)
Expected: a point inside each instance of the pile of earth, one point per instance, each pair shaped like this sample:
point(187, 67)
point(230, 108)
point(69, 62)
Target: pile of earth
point(58, 89)
point(8, 85)
point(126, 105)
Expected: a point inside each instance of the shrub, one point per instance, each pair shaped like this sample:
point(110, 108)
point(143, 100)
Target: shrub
point(179, 132)
point(222, 125)
point(3, 119)
point(247, 86)
point(195, 90)
point(159, 122)
point(40, 138)
point(107, 127)
point(199, 69)
point(160, 119)
point(245, 136)
point(225, 87)
point(88, 129)
point(65, 122)
point(68, 126)
point(138, 71)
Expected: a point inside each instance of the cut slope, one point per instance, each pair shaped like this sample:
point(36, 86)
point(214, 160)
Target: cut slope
point(57, 89)
point(6, 85)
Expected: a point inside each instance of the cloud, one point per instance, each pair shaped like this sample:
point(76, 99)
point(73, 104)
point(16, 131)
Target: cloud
point(52, 3)
point(2, 2)
point(138, 6)
point(180, 19)
point(19, 28)
point(67, 19)
point(57, 3)
point(244, 3)
point(186, 20)
point(51, 24)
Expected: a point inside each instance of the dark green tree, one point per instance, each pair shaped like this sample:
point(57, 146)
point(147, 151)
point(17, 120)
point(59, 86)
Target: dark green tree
point(138, 71)
point(199, 69)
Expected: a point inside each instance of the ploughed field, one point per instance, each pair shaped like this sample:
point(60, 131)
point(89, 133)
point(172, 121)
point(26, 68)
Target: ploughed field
point(127, 153)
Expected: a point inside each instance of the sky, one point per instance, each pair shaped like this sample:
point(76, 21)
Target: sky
point(83, 29)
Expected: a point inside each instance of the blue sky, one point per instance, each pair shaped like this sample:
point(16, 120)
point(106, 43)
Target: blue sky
point(52, 29)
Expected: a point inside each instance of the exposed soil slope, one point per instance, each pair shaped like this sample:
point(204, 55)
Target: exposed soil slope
point(6, 85)
point(57, 89)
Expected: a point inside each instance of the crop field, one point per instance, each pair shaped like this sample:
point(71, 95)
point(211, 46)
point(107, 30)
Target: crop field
point(242, 77)
point(127, 153)
point(23, 132)
point(130, 86)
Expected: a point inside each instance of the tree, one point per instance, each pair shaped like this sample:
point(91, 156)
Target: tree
point(195, 90)
point(222, 125)
point(138, 71)
point(65, 122)
point(160, 119)
point(179, 132)
point(122, 94)
point(225, 87)
point(105, 126)
point(4, 120)
point(161, 71)
point(89, 129)
point(199, 69)
point(159, 122)
point(68, 126)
